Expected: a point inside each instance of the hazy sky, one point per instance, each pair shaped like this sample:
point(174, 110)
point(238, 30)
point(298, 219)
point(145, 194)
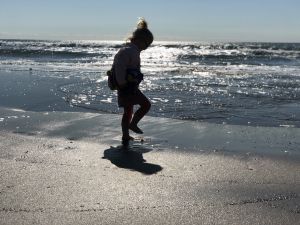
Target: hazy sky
point(186, 20)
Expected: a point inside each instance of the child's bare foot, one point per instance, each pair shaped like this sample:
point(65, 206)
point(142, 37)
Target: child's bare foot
point(135, 129)
point(129, 138)
point(126, 139)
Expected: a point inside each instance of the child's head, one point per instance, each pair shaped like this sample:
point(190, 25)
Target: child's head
point(142, 34)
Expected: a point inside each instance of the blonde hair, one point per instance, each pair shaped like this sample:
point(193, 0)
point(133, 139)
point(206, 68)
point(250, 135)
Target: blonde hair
point(142, 23)
point(141, 31)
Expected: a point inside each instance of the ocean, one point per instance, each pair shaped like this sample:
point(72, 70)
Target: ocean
point(253, 84)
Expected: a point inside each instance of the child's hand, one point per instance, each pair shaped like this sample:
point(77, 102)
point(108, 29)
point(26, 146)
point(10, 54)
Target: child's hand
point(131, 79)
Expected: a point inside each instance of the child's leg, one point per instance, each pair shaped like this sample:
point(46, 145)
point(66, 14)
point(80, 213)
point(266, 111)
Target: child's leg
point(145, 106)
point(127, 115)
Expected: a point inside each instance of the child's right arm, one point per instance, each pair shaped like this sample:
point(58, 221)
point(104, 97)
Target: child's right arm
point(121, 62)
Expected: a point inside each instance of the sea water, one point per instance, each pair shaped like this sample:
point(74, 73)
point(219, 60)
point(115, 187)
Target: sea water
point(255, 84)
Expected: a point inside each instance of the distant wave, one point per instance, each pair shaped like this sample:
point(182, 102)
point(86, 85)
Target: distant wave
point(55, 44)
point(256, 58)
point(239, 46)
point(232, 52)
point(47, 53)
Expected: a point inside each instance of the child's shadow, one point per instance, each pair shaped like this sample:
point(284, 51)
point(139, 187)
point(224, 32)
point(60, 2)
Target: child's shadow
point(132, 159)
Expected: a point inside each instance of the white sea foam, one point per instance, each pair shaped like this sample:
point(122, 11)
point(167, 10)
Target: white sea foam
point(108, 100)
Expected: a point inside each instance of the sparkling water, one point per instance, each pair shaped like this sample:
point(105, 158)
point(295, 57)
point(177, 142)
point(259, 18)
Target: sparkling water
point(233, 83)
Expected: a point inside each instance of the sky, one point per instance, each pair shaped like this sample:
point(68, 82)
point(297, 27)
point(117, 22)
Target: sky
point(169, 20)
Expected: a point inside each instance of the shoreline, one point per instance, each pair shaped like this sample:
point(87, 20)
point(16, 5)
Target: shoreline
point(162, 133)
point(32, 98)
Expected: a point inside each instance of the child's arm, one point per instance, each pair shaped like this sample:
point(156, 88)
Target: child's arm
point(120, 65)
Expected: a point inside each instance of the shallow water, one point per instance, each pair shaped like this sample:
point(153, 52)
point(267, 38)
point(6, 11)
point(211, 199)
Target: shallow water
point(232, 83)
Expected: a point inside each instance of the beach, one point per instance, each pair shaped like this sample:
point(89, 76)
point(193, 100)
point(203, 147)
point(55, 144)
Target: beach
point(62, 164)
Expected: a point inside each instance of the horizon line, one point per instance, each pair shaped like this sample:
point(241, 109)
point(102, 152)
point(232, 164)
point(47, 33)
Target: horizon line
point(166, 41)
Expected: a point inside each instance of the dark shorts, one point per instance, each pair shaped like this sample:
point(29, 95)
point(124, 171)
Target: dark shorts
point(131, 98)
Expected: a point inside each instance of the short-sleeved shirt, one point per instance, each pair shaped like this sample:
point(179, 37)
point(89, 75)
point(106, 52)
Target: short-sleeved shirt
point(127, 57)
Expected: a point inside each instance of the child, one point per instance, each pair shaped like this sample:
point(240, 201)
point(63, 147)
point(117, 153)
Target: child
point(126, 67)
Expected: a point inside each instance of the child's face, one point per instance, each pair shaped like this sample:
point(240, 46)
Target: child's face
point(145, 42)
point(142, 43)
